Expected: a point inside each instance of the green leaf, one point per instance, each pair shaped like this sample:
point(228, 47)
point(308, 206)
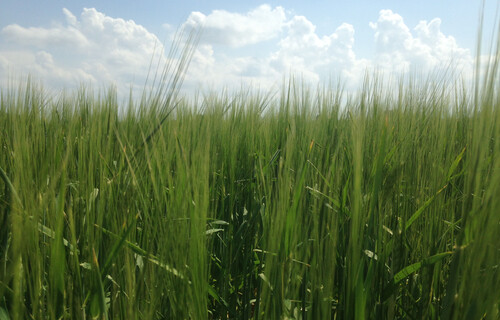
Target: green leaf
point(213, 294)
point(405, 272)
point(336, 203)
point(98, 298)
point(86, 265)
point(57, 254)
point(116, 247)
point(454, 165)
point(220, 222)
point(422, 208)
point(3, 314)
point(211, 231)
point(52, 234)
point(151, 258)
point(266, 280)
point(7, 181)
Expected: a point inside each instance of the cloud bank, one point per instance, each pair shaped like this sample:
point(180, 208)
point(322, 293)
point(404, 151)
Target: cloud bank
point(256, 48)
point(398, 49)
point(93, 48)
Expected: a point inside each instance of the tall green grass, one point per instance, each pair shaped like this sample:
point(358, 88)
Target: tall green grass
point(306, 205)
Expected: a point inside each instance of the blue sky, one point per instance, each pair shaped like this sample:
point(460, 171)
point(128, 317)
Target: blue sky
point(255, 43)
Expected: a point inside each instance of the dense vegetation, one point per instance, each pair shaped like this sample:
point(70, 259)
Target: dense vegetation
point(309, 204)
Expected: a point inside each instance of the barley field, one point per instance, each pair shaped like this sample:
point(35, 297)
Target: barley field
point(300, 204)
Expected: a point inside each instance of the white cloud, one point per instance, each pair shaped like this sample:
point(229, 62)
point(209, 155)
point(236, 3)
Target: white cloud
point(41, 64)
point(254, 48)
point(96, 48)
point(70, 17)
point(302, 51)
point(398, 49)
point(210, 70)
point(317, 57)
point(234, 29)
point(42, 37)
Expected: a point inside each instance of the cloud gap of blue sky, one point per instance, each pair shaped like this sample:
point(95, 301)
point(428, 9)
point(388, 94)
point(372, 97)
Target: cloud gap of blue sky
point(68, 43)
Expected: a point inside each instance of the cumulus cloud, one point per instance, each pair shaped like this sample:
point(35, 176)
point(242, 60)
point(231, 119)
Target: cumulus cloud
point(300, 50)
point(212, 70)
point(41, 37)
point(70, 17)
point(255, 48)
point(399, 49)
point(235, 29)
point(317, 57)
point(94, 48)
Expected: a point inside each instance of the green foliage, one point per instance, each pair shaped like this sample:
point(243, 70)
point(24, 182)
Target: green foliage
point(380, 205)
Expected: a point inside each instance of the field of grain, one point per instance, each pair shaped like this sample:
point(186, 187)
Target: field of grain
point(306, 204)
